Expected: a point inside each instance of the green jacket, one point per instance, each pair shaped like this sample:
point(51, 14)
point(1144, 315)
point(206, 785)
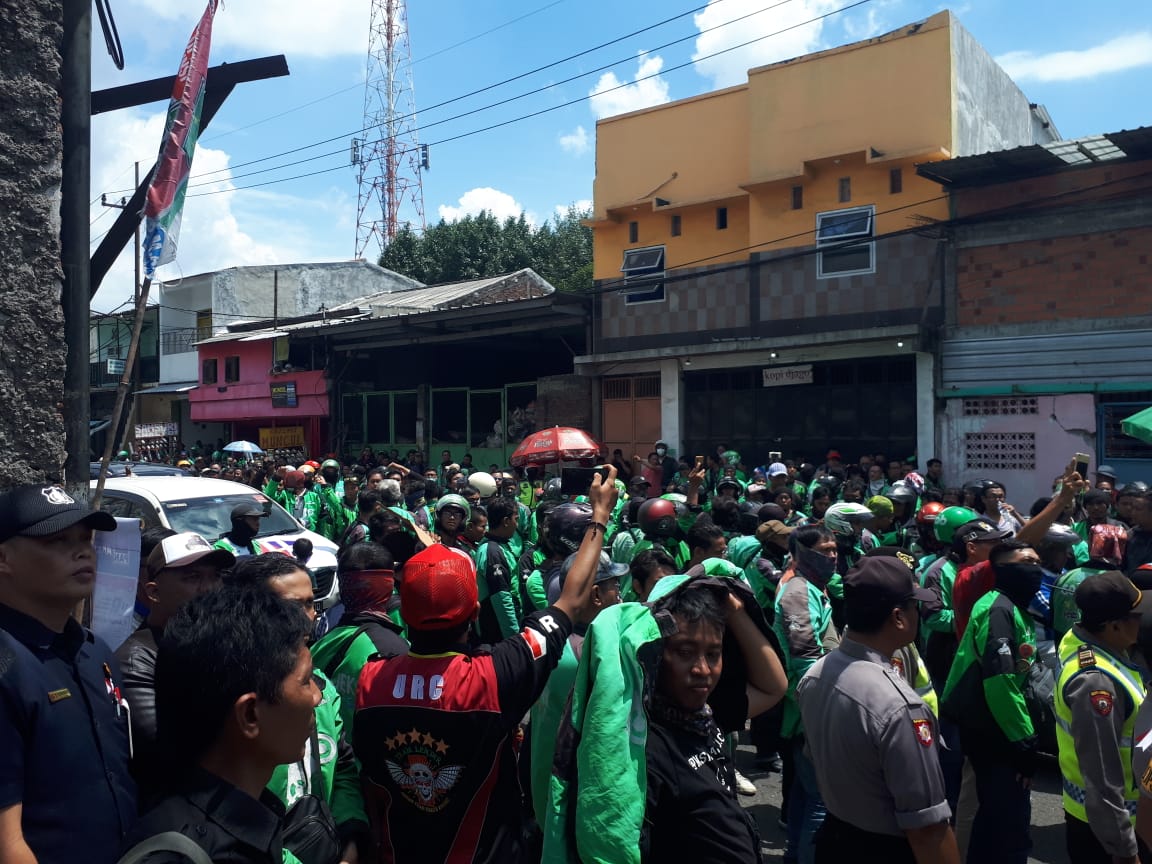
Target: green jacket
point(525, 531)
point(331, 518)
point(342, 652)
point(985, 689)
point(803, 626)
point(1065, 612)
point(328, 769)
point(497, 578)
point(309, 509)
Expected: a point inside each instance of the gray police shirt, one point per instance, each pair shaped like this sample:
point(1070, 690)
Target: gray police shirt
point(873, 742)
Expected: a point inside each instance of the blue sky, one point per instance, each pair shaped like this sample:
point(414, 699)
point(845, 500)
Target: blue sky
point(1090, 64)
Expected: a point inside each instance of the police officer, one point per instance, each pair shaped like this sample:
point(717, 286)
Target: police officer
point(871, 739)
point(1097, 696)
point(65, 791)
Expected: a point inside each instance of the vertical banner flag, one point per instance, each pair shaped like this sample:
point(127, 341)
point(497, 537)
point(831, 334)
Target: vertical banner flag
point(165, 199)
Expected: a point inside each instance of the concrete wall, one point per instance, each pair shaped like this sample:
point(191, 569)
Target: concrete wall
point(1062, 425)
point(564, 400)
point(31, 318)
point(992, 113)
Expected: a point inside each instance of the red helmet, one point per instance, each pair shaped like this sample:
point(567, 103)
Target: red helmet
point(657, 517)
point(926, 515)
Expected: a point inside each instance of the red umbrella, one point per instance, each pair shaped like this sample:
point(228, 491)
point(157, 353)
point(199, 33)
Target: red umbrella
point(558, 444)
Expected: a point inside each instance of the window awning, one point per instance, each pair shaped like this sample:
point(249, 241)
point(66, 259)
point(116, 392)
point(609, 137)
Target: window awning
point(178, 387)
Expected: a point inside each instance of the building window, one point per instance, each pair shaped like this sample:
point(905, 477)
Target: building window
point(721, 218)
point(845, 240)
point(896, 181)
point(797, 197)
point(643, 271)
point(845, 190)
point(231, 370)
point(675, 224)
point(208, 372)
point(633, 232)
point(204, 324)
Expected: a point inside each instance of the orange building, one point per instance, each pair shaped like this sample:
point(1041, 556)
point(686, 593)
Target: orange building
point(767, 265)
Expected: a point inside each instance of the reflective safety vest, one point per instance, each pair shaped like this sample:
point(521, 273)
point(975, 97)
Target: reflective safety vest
point(1077, 656)
point(920, 680)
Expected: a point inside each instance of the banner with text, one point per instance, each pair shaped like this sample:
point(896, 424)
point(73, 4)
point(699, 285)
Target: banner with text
point(782, 376)
point(282, 438)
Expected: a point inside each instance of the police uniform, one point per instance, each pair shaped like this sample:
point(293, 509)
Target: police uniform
point(1098, 693)
point(64, 740)
point(872, 740)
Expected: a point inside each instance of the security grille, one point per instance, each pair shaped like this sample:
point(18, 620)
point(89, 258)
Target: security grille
point(1000, 451)
point(617, 388)
point(648, 387)
point(1000, 407)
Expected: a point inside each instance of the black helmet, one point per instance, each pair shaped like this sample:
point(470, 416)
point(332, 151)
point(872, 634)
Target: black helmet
point(768, 512)
point(1136, 487)
point(901, 493)
point(979, 487)
point(552, 490)
point(657, 516)
point(567, 524)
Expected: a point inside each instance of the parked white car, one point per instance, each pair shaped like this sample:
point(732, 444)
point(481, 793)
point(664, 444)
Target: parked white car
point(204, 505)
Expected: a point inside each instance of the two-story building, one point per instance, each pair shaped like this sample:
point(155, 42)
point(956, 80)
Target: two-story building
point(768, 274)
point(1047, 338)
point(199, 307)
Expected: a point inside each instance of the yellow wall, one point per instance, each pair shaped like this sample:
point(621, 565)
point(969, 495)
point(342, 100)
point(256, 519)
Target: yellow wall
point(805, 122)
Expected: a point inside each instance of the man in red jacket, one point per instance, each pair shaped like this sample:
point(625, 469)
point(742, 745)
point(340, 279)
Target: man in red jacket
point(436, 731)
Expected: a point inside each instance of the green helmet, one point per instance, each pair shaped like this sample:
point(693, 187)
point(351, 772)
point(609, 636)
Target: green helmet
point(454, 500)
point(329, 463)
point(951, 518)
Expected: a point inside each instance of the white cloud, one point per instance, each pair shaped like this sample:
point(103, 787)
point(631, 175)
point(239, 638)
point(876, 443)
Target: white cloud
point(499, 204)
point(611, 96)
point(575, 142)
point(229, 229)
point(732, 67)
point(581, 205)
point(1116, 55)
point(296, 28)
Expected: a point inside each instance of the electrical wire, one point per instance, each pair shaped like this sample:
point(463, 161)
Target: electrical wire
point(358, 86)
point(511, 121)
point(497, 84)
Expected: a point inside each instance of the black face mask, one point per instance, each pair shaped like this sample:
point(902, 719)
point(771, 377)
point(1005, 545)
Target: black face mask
point(1019, 581)
point(242, 532)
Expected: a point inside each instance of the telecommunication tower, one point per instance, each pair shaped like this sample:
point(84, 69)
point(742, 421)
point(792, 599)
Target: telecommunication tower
point(389, 158)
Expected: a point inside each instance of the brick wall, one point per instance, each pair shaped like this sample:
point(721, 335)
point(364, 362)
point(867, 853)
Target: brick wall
point(1086, 276)
point(564, 400)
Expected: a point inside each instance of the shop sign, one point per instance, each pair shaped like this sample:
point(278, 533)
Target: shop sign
point(282, 438)
point(783, 376)
point(156, 430)
point(284, 394)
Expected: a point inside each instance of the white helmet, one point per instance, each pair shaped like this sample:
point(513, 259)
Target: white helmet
point(840, 518)
point(483, 482)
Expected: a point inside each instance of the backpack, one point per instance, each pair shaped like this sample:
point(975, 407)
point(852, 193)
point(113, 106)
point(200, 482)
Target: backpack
point(168, 841)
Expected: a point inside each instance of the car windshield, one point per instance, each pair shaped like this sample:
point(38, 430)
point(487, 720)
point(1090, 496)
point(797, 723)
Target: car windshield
point(210, 517)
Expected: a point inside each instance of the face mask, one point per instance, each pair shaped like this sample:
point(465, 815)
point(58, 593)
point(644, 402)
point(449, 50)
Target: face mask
point(242, 531)
point(660, 451)
point(815, 566)
point(1019, 581)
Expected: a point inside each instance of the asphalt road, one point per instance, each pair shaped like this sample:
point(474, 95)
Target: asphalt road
point(1047, 812)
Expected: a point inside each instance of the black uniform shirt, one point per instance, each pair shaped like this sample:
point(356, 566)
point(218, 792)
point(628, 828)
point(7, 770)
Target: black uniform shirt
point(230, 825)
point(63, 741)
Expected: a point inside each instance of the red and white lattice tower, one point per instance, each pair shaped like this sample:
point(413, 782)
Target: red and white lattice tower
point(388, 158)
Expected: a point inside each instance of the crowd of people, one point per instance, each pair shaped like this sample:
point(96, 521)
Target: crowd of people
point(516, 674)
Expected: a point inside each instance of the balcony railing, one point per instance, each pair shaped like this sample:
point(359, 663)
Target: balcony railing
point(181, 340)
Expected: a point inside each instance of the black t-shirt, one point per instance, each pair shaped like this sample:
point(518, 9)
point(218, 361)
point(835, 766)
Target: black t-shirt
point(692, 811)
point(435, 735)
point(1138, 550)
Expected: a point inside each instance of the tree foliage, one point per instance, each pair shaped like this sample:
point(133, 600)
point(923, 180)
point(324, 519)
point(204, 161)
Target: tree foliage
point(478, 247)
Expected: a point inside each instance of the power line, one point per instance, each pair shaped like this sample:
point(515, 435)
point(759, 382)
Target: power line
point(497, 84)
point(522, 117)
point(359, 86)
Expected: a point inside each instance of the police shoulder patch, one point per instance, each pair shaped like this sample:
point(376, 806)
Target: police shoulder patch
point(1085, 657)
point(1101, 702)
point(1146, 779)
point(923, 732)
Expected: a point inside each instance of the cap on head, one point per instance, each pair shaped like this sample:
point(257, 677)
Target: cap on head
point(438, 589)
point(777, 468)
point(293, 479)
point(880, 505)
point(771, 530)
point(41, 511)
point(833, 454)
point(1106, 471)
point(241, 511)
point(1108, 596)
point(183, 550)
point(980, 529)
point(880, 579)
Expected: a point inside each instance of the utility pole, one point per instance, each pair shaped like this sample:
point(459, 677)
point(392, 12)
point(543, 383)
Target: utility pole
point(133, 415)
point(75, 231)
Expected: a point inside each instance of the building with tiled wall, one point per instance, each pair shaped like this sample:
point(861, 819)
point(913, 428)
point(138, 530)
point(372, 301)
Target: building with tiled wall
point(768, 271)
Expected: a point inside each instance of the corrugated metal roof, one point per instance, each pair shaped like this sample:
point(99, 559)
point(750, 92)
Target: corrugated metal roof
point(1036, 159)
point(1051, 359)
